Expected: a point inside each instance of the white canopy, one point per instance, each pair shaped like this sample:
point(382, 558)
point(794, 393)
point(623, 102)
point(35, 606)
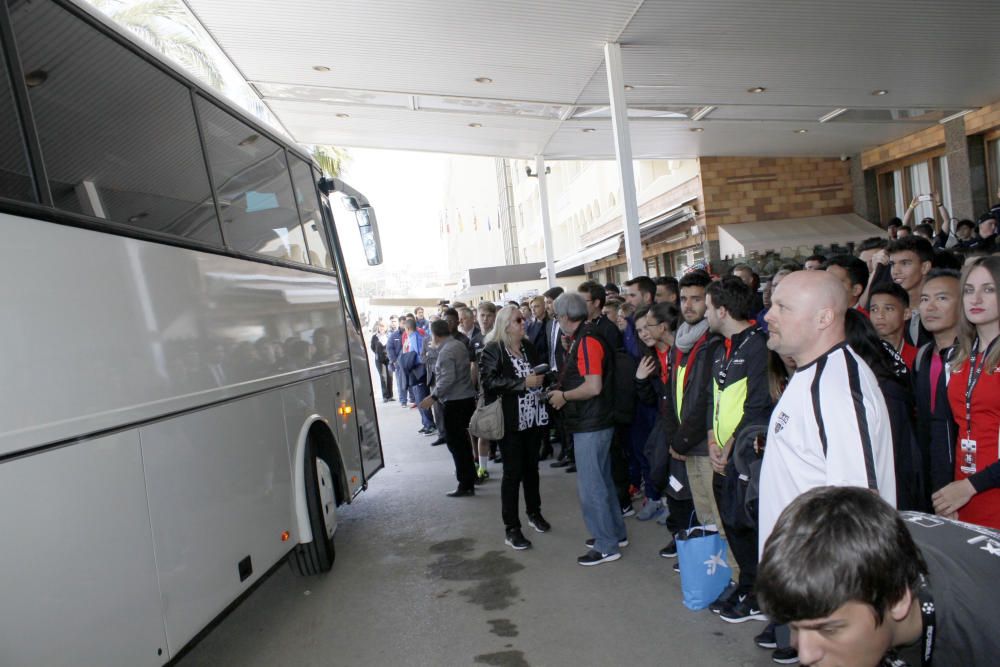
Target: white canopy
point(794, 236)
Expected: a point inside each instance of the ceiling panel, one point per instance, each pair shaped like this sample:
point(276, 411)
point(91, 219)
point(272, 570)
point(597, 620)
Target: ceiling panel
point(676, 140)
point(812, 56)
point(406, 130)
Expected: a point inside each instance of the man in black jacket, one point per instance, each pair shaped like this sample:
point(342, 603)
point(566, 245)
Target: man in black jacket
point(690, 399)
point(940, 303)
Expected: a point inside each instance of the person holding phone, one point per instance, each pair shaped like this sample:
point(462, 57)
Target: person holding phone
point(506, 374)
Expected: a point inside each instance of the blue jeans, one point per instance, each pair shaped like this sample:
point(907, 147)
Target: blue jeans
point(400, 385)
point(598, 497)
point(420, 393)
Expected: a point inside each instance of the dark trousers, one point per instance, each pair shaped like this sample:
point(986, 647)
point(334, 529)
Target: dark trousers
point(520, 467)
point(681, 516)
point(741, 535)
point(385, 378)
point(619, 464)
point(457, 414)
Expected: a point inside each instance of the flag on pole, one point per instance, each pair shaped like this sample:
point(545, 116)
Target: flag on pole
point(461, 227)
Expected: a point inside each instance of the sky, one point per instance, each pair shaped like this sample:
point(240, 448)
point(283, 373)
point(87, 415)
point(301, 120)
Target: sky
point(407, 189)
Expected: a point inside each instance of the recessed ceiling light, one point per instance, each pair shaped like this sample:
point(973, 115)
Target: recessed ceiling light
point(589, 129)
point(321, 68)
point(483, 79)
point(697, 129)
point(343, 115)
point(628, 87)
point(756, 89)
point(880, 93)
point(250, 140)
point(475, 124)
point(801, 131)
point(35, 78)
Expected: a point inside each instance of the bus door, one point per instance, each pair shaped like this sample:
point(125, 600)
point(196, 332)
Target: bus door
point(364, 393)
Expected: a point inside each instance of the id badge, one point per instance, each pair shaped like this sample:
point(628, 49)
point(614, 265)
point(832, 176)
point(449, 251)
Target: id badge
point(968, 466)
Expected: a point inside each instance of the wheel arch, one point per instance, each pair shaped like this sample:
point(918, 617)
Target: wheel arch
point(317, 429)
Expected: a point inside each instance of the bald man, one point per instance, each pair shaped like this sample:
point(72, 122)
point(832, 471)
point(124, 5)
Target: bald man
point(831, 427)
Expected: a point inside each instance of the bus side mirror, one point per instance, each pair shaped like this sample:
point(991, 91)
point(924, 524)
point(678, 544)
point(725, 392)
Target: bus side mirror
point(368, 227)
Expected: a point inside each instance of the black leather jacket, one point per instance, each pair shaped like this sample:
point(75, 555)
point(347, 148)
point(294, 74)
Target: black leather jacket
point(498, 380)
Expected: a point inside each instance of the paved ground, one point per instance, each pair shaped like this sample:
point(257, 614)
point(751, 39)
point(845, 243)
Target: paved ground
point(422, 579)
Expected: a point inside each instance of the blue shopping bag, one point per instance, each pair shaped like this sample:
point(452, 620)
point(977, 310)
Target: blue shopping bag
point(704, 572)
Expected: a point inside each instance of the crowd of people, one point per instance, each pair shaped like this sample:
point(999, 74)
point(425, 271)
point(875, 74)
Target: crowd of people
point(876, 370)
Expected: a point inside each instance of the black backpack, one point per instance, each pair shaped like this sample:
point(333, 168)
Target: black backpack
point(620, 374)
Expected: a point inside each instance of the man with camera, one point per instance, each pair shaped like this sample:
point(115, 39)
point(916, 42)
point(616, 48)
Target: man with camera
point(586, 401)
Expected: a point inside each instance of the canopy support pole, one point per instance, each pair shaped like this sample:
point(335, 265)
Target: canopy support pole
point(623, 152)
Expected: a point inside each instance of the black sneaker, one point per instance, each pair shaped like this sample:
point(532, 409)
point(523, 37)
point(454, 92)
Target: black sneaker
point(744, 609)
point(785, 656)
point(766, 638)
point(538, 522)
point(669, 551)
point(571, 467)
point(623, 542)
point(627, 511)
point(596, 558)
point(516, 540)
point(722, 601)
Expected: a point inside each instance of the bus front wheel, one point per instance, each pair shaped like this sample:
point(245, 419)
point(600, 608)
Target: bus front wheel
point(317, 556)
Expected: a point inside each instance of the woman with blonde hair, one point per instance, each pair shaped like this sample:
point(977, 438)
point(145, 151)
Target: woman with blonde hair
point(505, 373)
point(974, 396)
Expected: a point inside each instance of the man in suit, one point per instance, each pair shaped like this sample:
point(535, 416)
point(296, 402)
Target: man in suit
point(539, 328)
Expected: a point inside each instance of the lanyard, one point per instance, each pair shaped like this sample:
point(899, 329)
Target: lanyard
point(721, 381)
point(975, 369)
point(928, 619)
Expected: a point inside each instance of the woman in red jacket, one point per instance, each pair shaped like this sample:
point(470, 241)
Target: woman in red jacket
point(974, 396)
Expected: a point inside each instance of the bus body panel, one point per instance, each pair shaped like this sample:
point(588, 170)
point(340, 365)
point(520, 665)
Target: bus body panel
point(323, 397)
point(79, 581)
point(131, 330)
point(220, 490)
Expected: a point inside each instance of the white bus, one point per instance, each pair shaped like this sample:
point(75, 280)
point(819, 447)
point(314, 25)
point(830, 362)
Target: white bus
point(185, 394)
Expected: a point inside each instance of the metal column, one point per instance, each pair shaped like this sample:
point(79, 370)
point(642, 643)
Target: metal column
point(543, 204)
point(623, 151)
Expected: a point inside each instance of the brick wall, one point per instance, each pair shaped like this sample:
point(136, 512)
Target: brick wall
point(748, 189)
point(911, 144)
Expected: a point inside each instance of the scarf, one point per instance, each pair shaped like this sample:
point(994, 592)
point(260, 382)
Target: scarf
point(688, 334)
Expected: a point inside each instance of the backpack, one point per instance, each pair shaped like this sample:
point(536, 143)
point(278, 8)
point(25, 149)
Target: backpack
point(621, 371)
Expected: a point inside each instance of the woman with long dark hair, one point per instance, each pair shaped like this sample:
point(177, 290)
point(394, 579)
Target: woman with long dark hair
point(974, 396)
point(505, 372)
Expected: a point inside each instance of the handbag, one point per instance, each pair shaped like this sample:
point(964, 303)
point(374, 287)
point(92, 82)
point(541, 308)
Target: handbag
point(487, 420)
point(701, 553)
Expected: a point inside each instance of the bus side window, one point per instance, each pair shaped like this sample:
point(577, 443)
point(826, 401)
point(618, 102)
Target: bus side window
point(118, 135)
point(253, 187)
point(14, 180)
point(312, 221)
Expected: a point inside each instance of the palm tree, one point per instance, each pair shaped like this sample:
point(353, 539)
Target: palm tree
point(166, 25)
point(331, 159)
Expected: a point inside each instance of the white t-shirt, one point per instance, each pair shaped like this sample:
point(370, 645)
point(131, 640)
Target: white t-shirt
point(830, 428)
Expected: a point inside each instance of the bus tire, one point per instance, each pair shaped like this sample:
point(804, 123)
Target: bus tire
point(317, 556)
